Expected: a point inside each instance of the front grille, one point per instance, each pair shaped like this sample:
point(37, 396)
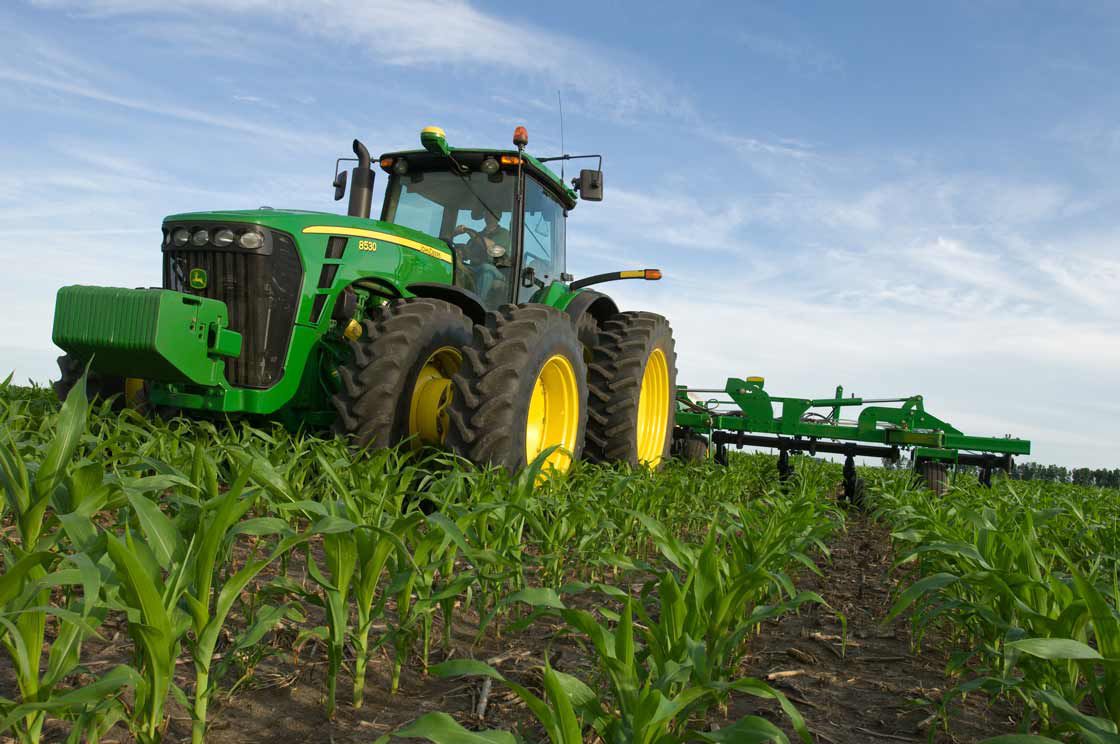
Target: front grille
point(261, 289)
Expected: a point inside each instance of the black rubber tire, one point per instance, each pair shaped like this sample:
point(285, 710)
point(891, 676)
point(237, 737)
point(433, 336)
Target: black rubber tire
point(376, 383)
point(694, 450)
point(97, 385)
point(493, 388)
point(934, 475)
point(626, 342)
point(587, 329)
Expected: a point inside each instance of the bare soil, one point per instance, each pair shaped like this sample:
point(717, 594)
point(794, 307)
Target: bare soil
point(867, 686)
point(870, 686)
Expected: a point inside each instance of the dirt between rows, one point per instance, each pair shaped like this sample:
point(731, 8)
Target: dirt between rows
point(870, 686)
point(873, 688)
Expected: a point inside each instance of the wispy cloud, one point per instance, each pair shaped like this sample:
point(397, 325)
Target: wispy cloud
point(161, 108)
point(439, 34)
point(798, 55)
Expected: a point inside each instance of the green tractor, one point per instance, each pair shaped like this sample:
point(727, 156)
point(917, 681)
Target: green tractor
point(449, 322)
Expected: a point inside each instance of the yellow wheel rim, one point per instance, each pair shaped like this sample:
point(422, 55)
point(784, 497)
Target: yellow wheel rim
point(431, 395)
point(133, 392)
point(653, 410)
point(553, 417)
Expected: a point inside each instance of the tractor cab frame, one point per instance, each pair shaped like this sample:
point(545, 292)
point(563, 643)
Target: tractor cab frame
point(502, 213)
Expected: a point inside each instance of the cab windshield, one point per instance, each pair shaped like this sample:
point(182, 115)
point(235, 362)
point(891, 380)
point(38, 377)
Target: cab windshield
point(470, 212)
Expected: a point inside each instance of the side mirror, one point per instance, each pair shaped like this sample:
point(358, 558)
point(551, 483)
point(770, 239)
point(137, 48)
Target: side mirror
point(339, 185)
point(590, 185)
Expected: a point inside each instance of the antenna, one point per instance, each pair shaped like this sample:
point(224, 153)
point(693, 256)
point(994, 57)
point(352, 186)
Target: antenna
point(560, 103)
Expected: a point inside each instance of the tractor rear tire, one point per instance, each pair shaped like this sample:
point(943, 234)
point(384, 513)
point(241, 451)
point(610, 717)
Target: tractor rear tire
point(633, 381)
point(397, 382)
point(522, 388)
point(97, 385)
point(934, 475)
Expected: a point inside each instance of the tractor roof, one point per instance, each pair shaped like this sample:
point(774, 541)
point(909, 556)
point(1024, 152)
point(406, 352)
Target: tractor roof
point(473, 157)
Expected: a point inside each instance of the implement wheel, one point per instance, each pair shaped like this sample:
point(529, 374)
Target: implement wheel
point(694, 449)
point(398, 383)
point(633, 381)
point(934, 475)
point(521, 390)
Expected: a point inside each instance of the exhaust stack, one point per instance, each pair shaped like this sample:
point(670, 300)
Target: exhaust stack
point(361, 184)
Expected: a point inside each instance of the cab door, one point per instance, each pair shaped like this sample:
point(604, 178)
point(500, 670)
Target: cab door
point(542, 240)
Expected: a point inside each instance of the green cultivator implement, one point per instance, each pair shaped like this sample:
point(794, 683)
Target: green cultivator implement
point(743, 413)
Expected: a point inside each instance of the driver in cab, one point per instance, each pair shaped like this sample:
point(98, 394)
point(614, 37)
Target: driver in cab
point(487, 250)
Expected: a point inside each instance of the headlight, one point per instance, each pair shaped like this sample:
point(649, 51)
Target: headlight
point(251, 240)
point(200, 237)
point(495, 250)
point(223, 238)
point(181, 236)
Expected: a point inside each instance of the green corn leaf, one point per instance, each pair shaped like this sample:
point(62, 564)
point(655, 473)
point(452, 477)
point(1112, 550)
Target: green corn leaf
point(140, 584)
point(441, 728)
point(12, 580)
point(536, 597)
point(624, 635)
point(1055, 648)
point(67, 433)
point(919, 589)
point(564, 714)
point(262, 526)
point(747, 730)
point(466, 668)
point(163, 537)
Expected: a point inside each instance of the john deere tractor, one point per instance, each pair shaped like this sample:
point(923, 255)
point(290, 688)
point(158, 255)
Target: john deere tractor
point(450, 321)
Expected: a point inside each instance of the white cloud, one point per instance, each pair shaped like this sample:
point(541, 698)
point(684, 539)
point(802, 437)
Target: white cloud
point(439, 34)
point(798, 55)
point(163, 108)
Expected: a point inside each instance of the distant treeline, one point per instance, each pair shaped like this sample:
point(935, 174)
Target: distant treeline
point(1102, 477)
point(1098, 477)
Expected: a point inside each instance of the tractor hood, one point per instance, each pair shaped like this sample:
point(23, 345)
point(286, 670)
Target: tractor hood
point(298, 222)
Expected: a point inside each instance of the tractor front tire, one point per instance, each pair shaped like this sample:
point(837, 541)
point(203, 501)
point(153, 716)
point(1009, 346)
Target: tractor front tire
point(633, 381)
point(398, 382)
point(97, 385)
point(521, 390)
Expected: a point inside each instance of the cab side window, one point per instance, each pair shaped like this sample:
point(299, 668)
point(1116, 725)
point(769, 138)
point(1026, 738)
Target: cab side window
point(542, 237)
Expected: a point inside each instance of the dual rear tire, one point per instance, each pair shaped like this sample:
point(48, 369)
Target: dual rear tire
point(526, 384)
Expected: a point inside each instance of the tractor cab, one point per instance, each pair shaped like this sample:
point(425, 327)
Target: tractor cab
point(502, 212)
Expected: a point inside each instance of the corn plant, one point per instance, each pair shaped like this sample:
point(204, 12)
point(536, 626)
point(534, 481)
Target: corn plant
point(36, 498)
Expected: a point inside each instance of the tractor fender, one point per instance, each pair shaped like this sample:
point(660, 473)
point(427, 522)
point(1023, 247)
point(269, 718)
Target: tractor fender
point(600, 306)
point(464, 299)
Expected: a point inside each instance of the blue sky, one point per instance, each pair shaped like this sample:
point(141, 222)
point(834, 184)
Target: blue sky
point(900, 197)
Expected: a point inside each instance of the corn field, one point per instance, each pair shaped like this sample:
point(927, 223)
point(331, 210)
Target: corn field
point(205, 540)
point(1022, 580)
point(217, 545)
